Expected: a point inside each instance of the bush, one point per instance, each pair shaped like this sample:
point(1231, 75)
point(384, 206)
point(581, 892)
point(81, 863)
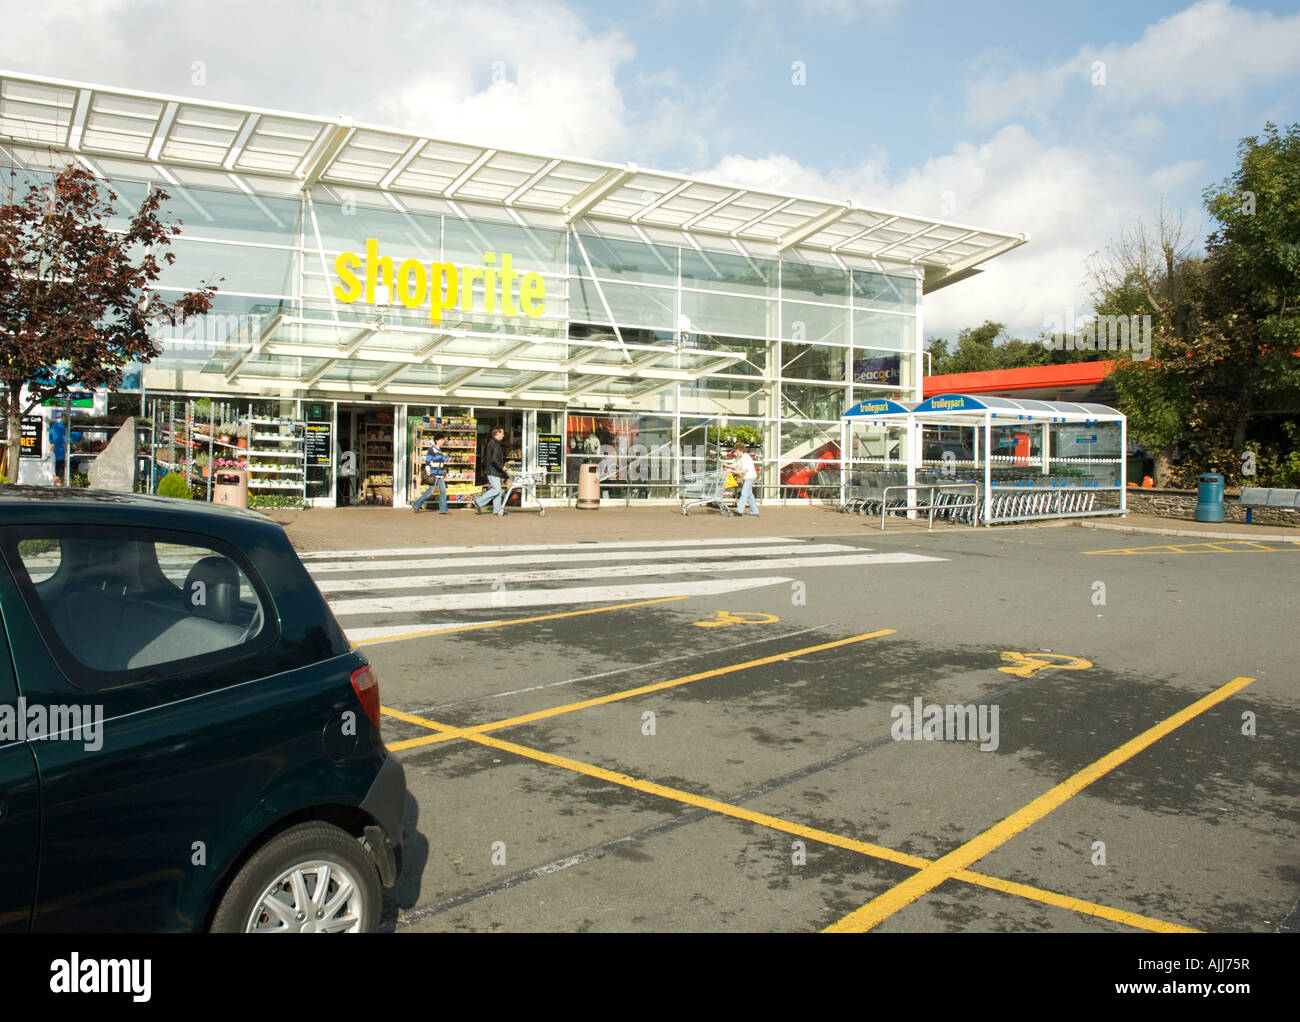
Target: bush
point(174, 485)
point(728, 436)
point(273, 500)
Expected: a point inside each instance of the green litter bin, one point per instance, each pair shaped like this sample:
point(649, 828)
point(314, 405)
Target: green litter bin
point(1209, 497)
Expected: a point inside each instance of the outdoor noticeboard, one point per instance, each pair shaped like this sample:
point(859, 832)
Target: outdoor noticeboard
point(550, 451)
point(319, 452)
point(31, 443)
point(320, 445)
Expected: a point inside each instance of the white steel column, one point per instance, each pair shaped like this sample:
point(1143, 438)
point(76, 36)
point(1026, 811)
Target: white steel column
point(1123, 465)
point(913, 445)
point(988, 467)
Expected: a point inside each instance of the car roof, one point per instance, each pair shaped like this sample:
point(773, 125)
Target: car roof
point(31, 504)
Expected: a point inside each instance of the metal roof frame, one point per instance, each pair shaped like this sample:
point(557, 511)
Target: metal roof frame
point(531, 189)
point(365, 344)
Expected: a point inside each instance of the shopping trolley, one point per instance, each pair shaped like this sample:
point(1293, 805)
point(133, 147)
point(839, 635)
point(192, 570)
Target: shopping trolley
point(525, 484)
point(707, 488)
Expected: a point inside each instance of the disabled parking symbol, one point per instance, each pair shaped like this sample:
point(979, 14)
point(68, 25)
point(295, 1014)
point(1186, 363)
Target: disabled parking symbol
point(723, 618)
point(1024, 665)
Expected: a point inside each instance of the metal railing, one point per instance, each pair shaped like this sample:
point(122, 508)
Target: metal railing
point(952, 508)
point(1031, 504)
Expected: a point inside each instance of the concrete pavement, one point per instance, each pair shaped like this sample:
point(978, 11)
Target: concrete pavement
point(352, 528)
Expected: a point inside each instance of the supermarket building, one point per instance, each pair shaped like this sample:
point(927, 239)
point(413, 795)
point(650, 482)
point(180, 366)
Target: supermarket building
point(374, 276)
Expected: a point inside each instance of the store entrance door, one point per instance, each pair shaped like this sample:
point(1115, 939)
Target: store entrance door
point(511, 420)
point(366, 437)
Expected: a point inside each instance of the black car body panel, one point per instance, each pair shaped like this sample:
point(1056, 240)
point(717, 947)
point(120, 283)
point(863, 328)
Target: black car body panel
point(200, 758)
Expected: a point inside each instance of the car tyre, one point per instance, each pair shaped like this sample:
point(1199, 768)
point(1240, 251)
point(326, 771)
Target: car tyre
point(279, 887)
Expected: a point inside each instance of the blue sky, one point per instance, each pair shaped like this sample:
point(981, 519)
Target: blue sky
point(989, 114)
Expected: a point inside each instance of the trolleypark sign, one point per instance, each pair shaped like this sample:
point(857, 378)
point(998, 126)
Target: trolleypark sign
point(440, 285)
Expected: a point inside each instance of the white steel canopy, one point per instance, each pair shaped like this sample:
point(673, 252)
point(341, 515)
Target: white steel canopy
point(94, 122)
point(973, 407)
point(380, 356)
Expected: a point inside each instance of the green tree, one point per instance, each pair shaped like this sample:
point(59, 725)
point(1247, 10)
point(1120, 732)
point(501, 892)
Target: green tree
point(77, 298)
point(1254, 255)
point(978, 350)
point(1226, 337)
point(974, 352)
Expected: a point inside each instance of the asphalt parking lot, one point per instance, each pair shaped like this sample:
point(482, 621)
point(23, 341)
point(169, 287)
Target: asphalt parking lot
point(1105, 732)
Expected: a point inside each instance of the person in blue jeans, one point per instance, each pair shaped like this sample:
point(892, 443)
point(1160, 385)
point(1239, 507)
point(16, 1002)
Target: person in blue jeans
point(494, 467)
point(743, 465)
point(435, 467)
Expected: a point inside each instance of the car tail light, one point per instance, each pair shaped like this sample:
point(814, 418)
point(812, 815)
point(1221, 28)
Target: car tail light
point(366, 685)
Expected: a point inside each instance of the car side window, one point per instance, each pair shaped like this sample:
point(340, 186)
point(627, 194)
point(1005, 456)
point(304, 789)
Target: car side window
point(122, 606)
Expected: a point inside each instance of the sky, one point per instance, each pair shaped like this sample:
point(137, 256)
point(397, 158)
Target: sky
point(1068, 122)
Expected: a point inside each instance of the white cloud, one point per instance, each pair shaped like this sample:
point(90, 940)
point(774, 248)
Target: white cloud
point(529, 76)
point(1071, 201)
point(1209, 51)
point(1164, 179)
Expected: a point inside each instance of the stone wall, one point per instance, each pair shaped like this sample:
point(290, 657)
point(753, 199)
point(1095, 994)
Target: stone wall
point(1182, 504)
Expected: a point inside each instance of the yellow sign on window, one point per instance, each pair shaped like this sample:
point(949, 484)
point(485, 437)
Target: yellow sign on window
point(441, 285)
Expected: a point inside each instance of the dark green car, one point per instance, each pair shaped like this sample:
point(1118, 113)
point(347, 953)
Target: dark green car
point(188, 740)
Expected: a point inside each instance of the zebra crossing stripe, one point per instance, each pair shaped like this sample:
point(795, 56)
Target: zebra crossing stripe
point(620, 544)
point(606, 557)
point(387, 583)
point(539, 597)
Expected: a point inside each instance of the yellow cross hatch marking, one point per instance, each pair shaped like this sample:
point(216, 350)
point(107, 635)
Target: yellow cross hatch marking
point(951, 869)
point(896, 898)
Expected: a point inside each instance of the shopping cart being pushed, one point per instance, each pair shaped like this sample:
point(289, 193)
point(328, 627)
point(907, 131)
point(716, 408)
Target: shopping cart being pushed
point(525, 484)
point(709, 488)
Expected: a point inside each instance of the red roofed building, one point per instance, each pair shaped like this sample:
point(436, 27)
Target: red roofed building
point(1074, 381)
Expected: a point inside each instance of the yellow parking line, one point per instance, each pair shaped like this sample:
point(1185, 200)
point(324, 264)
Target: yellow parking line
point(630, 693)
point(1243, 546)
point(799, 830)
point(515, 621)
point(896, 898)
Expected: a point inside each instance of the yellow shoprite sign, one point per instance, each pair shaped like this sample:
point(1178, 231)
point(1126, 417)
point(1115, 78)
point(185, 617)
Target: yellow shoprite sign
point(442, 285)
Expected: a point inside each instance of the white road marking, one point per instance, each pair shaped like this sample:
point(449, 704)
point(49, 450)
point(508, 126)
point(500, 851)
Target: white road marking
point(537, 597)
point(418, 551)
point(607, 557)
point(382, 584)
point(389, 631)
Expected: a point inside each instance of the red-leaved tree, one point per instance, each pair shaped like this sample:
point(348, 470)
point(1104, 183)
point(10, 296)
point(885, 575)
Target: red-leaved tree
point(76, 298)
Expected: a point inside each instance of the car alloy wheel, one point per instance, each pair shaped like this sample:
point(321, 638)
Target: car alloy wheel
point(312, 878)
point(312, 897)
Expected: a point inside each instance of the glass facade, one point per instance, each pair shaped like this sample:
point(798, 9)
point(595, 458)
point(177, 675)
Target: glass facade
point(813, 334)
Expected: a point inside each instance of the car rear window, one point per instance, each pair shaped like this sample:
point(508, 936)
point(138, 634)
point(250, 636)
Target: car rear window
point(123, 606)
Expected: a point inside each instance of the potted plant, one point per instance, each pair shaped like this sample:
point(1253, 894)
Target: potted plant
point(241, 435)
point(203, 463)
point(226, 433)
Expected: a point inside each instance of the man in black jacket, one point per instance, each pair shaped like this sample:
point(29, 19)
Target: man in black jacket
point(494, 467)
